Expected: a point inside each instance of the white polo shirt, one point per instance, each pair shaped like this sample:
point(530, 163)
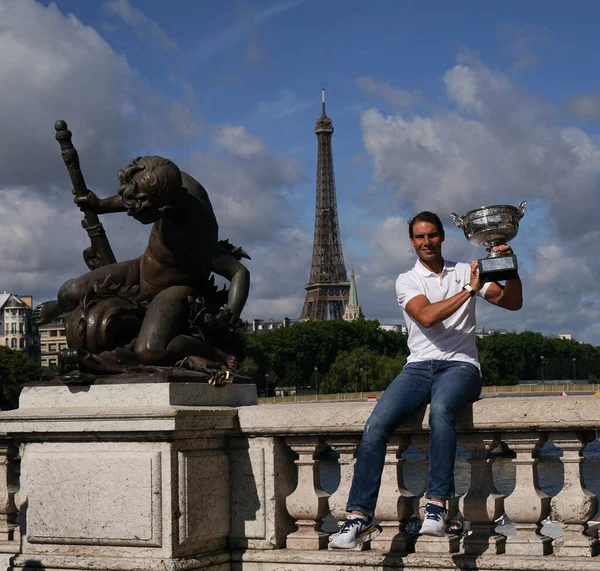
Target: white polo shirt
point(452, 339)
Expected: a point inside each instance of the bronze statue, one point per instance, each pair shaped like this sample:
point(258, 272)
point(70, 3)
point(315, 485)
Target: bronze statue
point(163, 308)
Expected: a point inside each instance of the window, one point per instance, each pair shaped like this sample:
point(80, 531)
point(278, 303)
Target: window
point(52, 362)
point(13, 328)
point(22, 343)
point(62, 346)
point(52, 347)
point(63, 332)
point(21, 328)
point(43, 333)
point(13, 343)
point(53, 332)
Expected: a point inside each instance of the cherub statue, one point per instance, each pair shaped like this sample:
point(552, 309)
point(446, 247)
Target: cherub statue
point(163, 307)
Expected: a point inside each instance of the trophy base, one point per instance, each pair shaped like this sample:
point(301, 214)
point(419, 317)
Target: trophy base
point(497, 269)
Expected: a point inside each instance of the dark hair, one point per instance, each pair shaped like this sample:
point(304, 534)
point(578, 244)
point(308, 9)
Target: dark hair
point(426, 216)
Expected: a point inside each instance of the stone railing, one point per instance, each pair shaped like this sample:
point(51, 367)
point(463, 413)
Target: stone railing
point(288, 521)
point(146, 477)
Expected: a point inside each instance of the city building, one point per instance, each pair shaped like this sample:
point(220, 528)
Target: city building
point(353, 310)
point(261, 325)
point(52, 340)
point(15, 322)
point(397, 328)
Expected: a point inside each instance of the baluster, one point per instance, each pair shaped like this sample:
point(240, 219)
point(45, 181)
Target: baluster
point(482, 504)
point(527, 505)
point(450, 543)
point(574, 505)
point(395, 504)
point(8, 510)
point(308, 503)
point(347, 448)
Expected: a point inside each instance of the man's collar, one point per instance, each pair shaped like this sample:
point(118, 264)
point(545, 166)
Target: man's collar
point(421, 269)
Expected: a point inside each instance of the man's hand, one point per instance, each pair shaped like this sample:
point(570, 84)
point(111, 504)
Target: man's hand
point(475, 282)
point(87, 202)
point(503, 249)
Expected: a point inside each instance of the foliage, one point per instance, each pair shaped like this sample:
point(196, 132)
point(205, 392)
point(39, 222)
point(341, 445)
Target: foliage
point(16, 369)
point(340, 349)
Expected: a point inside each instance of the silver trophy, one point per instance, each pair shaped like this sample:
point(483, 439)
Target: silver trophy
point(491, 226)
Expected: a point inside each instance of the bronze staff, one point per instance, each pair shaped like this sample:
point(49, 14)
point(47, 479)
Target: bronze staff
point(99, 253)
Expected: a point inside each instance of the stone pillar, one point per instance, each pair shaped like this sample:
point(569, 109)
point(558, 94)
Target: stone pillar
point(395, 503)
point(128, 475)
point(308, 503)
point(9, 529)
point(573, 506)
point(527, 505)
point(347, 447)
point(482, 504)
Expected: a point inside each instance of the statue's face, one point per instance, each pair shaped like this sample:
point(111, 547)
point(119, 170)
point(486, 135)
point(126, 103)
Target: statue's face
point(144, 205)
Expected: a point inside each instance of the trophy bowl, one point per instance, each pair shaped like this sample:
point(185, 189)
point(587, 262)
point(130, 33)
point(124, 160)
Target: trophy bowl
point(491, 226)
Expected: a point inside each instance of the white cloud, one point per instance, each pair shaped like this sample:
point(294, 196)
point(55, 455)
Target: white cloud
point(143, 26)
point(586, 106)
point(395, 96)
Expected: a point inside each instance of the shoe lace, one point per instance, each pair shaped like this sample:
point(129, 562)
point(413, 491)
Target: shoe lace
point(434, 512)
point(350, 523)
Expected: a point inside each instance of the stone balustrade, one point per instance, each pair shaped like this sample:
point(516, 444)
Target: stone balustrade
point(228, 488)
point(521, 424)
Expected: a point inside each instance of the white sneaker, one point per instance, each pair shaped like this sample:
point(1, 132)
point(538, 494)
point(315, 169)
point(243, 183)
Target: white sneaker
point(356, 530)
point(434, 522)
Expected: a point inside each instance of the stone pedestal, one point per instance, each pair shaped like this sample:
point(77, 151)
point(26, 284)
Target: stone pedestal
point(125, 476)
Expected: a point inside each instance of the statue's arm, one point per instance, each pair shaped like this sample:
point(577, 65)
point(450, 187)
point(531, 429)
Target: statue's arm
point(224, 264)
point(91, 202)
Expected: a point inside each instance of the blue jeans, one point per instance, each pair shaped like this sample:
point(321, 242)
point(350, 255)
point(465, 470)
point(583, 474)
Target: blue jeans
point(448, 385)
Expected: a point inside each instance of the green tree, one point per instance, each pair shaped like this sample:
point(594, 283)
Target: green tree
point(15, 370)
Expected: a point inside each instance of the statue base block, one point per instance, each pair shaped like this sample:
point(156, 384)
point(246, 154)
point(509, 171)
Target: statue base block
point(131, 389)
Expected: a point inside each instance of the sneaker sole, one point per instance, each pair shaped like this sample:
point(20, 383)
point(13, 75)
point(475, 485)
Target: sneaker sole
point(432, 533)
point(366, 535)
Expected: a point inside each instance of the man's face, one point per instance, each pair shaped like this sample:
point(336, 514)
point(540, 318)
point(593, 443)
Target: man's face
point(427, 241)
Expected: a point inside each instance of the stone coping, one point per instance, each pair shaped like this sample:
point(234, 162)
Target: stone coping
point(291, 560)
point(497, 415)
point(90, 420)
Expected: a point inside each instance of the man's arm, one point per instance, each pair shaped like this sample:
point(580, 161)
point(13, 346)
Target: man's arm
point(428, 314)
point(509, 296)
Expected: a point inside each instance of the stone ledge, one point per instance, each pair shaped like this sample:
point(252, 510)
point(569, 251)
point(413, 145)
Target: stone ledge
point(494, 415)
point(216, 560)
point(271, 560)
point(90, 421)
point(106, 392)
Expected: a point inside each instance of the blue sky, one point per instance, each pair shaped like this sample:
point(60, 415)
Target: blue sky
point(436, 105)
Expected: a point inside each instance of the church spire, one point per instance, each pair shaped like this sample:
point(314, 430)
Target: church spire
point(353, 310)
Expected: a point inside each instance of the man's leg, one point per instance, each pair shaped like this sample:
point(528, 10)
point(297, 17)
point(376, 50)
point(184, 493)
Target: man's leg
point(455, 385)
point(406, 392)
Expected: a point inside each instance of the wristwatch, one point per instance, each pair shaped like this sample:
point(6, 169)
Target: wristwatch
point(468, 288)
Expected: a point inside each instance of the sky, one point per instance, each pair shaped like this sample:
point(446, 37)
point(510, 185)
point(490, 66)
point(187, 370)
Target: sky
point(436, 106)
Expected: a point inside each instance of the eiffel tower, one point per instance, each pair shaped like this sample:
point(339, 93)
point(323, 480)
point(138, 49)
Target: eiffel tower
point(328, 288)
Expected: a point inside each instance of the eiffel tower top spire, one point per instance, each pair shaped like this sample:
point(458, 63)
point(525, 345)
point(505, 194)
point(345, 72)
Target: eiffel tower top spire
point(327, 288)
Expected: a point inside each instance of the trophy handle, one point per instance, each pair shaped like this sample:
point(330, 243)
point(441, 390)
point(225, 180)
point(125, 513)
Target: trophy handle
point(522, 209)
point(457, 220)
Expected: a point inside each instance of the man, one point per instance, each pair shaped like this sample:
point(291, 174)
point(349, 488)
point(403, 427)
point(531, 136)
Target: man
point(182, 252)
point(438, 300)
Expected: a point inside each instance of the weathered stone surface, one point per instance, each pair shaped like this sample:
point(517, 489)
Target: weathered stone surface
point(499, 415)
point(123, 394)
